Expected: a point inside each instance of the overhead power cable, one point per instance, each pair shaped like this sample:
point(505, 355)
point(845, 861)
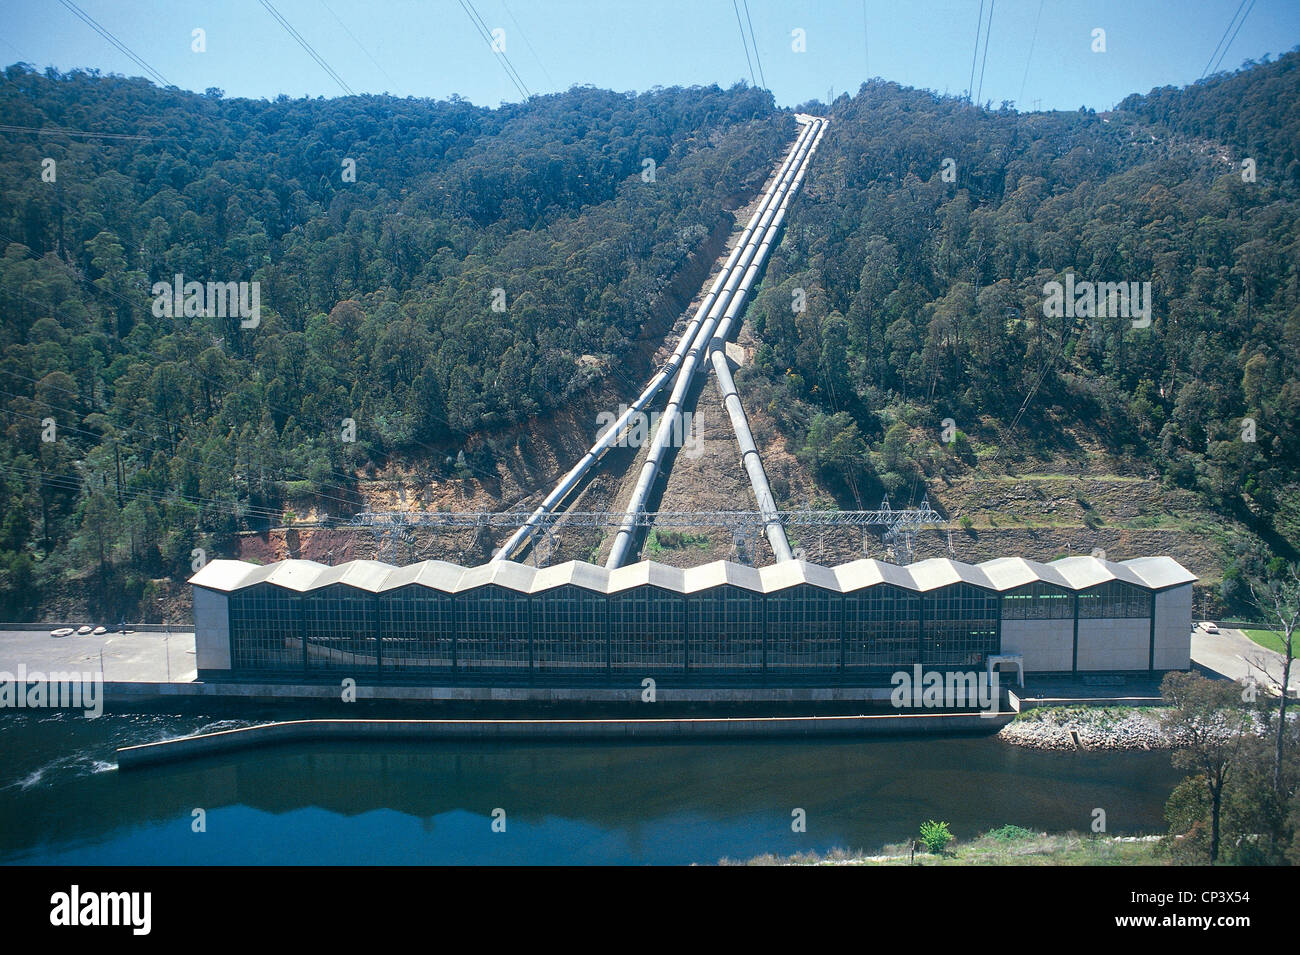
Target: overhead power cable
point(94, 24)
point(59, 131)
point(288, 27)
point(536, 58)
point(974, 57)
point(1033, 39)
point(487, 32)
point(481, 26)
point(142, 446)
point(744, 43)
point(1240, 24)
point(379, 66)
point(754, 40)
point(67, 482)
point(988, 30)
point(1215, 52)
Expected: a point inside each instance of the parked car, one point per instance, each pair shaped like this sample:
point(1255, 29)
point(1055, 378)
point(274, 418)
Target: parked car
point(99, 630)
point(84, 629)
point(62, 632)
point(1209, 627)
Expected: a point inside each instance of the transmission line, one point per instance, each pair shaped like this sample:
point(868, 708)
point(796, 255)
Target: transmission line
point(377, 64)
point(536, 58)
point(1025, 79)
point(744, 43)
point(1215, 52)
point(754, 40)
point(57, 131)
point(142, 447)
point(481, 26)
point(988, 29)
point(91, 22)
point(970, 86)
point(442, 419)
point(306, 46)
point(1234, 36)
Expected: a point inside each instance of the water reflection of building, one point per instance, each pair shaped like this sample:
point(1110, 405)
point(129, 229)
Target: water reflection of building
point(722, 623)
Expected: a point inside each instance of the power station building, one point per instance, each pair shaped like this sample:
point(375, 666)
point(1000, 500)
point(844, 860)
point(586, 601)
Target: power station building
point(722, 623)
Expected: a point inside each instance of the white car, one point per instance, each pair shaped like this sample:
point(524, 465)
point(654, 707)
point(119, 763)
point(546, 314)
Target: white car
point(99, 630)
point(62, 632)
point(1209, 627)
point(83, 629)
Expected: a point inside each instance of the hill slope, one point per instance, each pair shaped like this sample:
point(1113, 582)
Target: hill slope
point(429, 273)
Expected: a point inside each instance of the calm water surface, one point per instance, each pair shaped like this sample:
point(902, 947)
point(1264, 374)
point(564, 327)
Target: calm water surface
point(63, 802)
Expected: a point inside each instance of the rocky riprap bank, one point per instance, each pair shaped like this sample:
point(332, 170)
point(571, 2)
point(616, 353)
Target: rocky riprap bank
point(1108, 728)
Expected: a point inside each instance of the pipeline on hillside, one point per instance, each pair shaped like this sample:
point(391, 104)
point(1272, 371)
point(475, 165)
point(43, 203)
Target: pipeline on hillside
point(617, 430)
point(739, 281)
point(749, 455)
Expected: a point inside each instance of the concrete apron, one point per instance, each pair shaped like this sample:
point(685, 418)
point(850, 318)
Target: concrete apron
point(126, 694)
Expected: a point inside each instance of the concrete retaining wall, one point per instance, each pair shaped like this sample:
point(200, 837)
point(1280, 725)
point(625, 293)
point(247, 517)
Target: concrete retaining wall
point(128, 693)
point(298, 731)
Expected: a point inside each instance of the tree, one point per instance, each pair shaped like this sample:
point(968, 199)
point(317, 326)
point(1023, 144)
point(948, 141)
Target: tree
point(1278, 597)
point(1209, 723)
point(99, 523)
point(835, 448)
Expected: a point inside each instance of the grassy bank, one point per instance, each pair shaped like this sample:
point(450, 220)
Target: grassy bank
point(1268, 639)
point(1009, 845)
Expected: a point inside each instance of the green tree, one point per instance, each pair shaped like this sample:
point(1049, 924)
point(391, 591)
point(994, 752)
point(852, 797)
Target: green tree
point(1209, 722)
point(1277, 597)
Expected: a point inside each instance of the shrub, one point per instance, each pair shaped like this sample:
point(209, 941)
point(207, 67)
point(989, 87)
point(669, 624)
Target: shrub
point(1009, 833)
point(936, 836)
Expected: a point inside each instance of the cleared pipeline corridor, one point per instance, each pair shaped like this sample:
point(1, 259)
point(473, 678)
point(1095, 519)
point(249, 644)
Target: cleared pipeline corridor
point(742, 275)
point(718, 310)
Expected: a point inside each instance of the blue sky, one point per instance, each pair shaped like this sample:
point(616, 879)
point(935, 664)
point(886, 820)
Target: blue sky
point(430, 47)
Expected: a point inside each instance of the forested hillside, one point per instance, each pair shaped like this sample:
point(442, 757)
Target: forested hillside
point(925, 297)
point(922, 249)
point(377, 230)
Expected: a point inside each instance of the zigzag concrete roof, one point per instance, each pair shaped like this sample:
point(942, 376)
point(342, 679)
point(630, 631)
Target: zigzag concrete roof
point(1002, 574)
point(1009, 572)
point(791, 573)
point(435, 574)
point(647, 573)
point(860, 574)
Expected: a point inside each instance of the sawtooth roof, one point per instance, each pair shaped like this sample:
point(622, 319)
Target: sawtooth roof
point(1002, 574)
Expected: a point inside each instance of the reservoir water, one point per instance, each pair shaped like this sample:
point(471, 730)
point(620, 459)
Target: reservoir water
point(62, 801)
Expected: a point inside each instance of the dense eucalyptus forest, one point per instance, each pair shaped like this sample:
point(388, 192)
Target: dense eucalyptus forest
point(924, 297)
point(429, 271)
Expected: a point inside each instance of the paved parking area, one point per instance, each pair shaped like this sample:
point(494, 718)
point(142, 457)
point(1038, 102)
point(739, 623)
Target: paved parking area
point(1233, 654)
point(124, 657)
